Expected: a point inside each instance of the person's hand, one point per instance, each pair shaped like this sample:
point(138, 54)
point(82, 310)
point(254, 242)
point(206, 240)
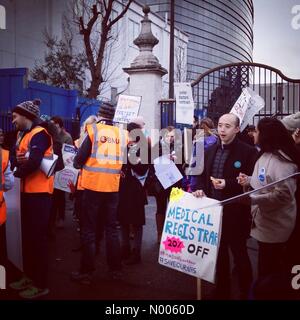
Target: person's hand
point(199, 194)
point(243, 180)
point(71, 186)
point(218, 184)
point(21, 157)
point(173, 157)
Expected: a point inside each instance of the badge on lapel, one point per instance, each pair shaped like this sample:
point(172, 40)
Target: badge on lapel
point(237, 164)
point(262, 175)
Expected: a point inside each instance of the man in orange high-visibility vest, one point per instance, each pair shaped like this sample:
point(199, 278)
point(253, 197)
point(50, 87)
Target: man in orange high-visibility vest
point(33, 144)
point(101, 157)
point(6, 183)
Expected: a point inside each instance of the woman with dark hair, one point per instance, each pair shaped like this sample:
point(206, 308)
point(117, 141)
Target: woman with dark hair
point(273, 209)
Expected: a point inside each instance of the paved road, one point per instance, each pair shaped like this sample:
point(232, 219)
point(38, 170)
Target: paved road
point(146, 281)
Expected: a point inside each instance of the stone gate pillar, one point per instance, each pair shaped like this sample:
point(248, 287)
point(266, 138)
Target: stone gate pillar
point(146, 74)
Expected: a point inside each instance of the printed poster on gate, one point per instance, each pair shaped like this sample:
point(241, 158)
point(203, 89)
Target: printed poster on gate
point(184, 103)
point(127, 108)
point(191, 236)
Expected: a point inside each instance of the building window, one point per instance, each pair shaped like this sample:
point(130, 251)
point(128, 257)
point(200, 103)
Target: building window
point(115, 27)
point(134, 29)
point(2, 18)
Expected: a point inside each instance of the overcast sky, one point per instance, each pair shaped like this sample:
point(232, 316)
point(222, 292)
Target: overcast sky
point(276, 43)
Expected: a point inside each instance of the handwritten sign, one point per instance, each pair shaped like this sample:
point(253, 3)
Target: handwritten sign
point(127, 108)
point(184, 103)
point(191, 237)
point(166, 171)
point(248, 104)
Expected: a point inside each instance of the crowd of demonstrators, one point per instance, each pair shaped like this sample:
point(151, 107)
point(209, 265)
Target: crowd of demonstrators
point(6, 183)
point(100, 158)
point(115, 171)
point(33, 144)
point(133, 198)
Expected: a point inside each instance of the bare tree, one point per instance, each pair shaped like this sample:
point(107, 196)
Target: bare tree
point(61, 67)
point(180, 63)
point(96, 19)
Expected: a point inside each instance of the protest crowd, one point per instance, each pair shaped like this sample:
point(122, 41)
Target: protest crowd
point(110, 170)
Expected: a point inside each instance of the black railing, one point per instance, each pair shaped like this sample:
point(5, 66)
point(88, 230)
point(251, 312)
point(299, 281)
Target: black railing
point(71, 125)
point(217, 89)
point(167, 112)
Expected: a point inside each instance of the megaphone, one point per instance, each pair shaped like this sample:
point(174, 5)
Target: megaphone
point(48, 165)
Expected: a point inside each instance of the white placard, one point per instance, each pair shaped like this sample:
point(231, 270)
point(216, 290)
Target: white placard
point(247, 105)
point(166, 171)
point(13, 225)
point(63, 178)
point(68, 153)
point(127, 108)
point(184, 103)
point(191, 237)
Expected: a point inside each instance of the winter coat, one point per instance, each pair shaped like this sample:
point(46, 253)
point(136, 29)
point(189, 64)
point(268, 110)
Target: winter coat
point(236, 217)
point(273, 209)
point(132, 194)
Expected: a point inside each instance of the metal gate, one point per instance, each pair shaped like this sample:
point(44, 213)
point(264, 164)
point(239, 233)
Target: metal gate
point(216, 90)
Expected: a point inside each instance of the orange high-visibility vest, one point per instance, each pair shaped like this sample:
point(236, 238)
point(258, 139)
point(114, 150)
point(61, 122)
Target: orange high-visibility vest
point(79, 186)
point(79, 181)
point(101, 171)
point(36, 182)
point(4, 163)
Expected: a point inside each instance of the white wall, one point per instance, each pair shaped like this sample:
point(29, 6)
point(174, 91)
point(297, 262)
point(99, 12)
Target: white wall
point(21, 43)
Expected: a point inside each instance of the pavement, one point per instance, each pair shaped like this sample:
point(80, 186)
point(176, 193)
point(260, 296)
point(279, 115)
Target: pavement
point(146, 281)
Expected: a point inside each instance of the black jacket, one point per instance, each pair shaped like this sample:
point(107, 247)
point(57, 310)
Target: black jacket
point(241, 158)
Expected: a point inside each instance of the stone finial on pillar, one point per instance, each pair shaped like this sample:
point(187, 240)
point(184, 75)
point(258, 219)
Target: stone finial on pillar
point(146, 41)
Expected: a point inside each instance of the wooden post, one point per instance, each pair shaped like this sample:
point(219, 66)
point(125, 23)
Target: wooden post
point(199, 296)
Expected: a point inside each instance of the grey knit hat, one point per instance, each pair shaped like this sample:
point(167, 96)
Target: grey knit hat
point(292, 122)
point(28, 109)
point(106, 111)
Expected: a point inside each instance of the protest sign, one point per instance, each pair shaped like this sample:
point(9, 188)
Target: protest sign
point(248, 104)
point(127, 108)
point(13, 225)
point(184, 103)
point(69, 174)
point(64, 177)
point(191, 237)
point(166, 171)
point(68, 153)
